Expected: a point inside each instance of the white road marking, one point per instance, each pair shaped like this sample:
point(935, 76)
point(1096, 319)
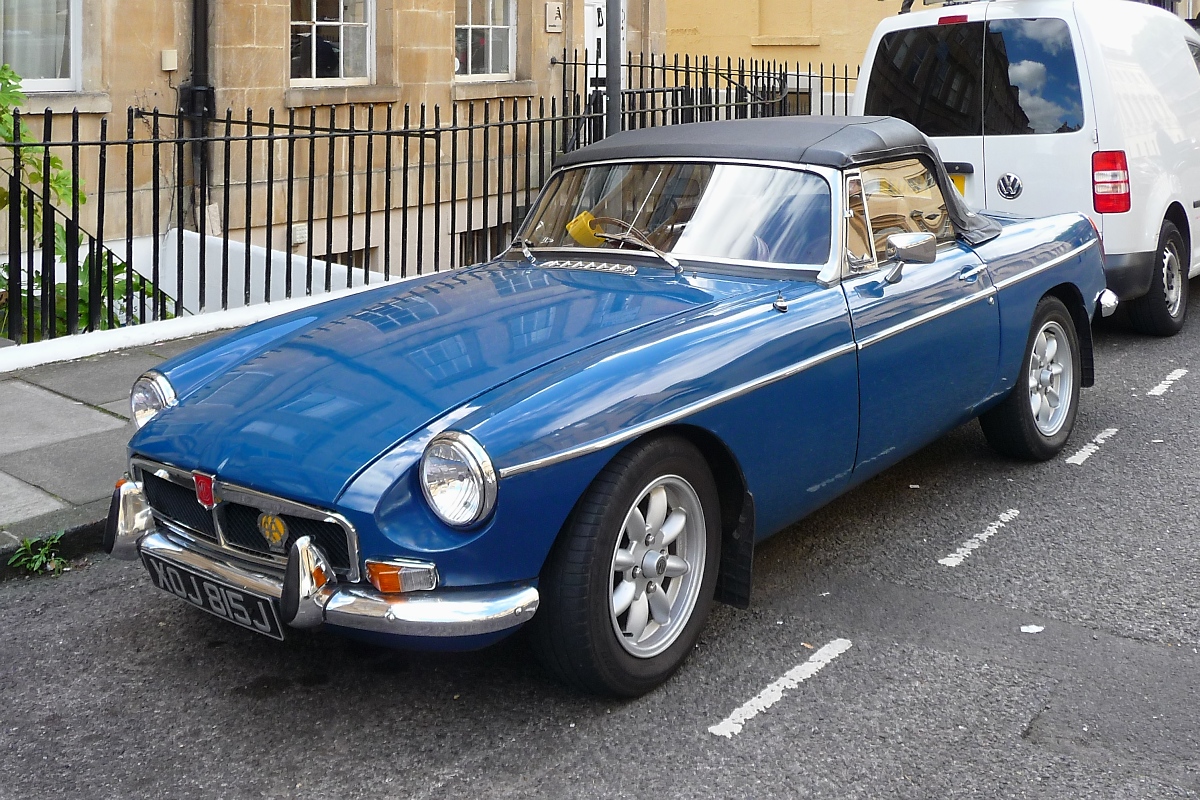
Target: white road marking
point(732, 725)
point(1032, 629)
point(960, 555)
point(1161, 389)
point(1091, 447)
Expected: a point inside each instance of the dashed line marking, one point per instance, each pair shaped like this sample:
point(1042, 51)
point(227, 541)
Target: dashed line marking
point(1161, 389)
point(960, 555)
point(732, 725)
point(1091, 447)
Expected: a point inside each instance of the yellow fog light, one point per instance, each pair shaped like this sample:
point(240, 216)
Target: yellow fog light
point(399, 575)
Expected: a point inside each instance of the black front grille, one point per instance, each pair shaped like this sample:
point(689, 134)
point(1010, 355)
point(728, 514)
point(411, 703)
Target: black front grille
point(179, 503)
point(240, 526)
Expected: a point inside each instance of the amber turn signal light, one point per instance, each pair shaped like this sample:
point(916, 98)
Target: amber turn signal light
point(396, 576)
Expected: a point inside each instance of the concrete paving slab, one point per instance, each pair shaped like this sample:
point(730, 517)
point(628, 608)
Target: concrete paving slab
point(96, 380)
point(34, 417)
point(19, 500)
point(120, 407)
point(78, 470)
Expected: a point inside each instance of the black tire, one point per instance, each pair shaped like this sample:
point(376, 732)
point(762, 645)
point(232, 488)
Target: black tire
point(574, 631)
point(1011, 427)
point(1162, 310)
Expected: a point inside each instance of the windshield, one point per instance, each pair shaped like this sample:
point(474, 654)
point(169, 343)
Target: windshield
point(766, 214)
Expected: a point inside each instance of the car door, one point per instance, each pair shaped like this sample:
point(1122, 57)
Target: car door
point(927, 335)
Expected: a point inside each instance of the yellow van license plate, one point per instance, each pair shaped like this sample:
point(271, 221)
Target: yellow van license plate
point(960, 183)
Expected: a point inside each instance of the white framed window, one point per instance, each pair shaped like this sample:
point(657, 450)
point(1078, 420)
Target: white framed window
point(484, 39)
point(333, 42)
point(42, 40)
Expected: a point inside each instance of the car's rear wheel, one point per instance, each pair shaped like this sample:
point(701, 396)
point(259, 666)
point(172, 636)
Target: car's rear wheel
point(628, 586)
point(1035, 420)
point(1161, 311)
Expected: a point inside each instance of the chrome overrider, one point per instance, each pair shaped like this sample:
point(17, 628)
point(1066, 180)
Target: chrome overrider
point(309, 593)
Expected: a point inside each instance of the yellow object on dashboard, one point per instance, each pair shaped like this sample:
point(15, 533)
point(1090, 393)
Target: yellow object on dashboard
point(581, 230)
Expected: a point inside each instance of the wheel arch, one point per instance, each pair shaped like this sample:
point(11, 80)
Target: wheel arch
point(1176, 215)
point(1069, 294)
point(737, 513)
point(737, 509)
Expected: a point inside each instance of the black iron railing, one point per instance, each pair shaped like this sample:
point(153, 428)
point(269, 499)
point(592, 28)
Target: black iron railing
point(186, 215)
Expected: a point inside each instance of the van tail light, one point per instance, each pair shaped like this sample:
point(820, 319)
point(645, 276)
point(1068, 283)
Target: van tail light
point(1110, 182)
point(955, 19)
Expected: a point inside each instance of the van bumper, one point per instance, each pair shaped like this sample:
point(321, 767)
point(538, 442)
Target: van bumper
point(1128, 275)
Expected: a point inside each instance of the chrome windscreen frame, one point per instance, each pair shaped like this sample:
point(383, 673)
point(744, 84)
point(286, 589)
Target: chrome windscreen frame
point(232, 493)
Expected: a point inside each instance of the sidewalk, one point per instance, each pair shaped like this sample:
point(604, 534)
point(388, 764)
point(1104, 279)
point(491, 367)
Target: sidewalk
point(65, 427)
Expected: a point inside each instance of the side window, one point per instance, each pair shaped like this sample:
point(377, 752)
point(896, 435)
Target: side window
point(858, 233)
point(1194, 48)
point(903, 197)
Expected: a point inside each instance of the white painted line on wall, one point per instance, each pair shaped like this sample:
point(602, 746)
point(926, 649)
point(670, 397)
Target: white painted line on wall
point(1091, 447)
point(732, 725)
point(1161, 389)
point(960, 555)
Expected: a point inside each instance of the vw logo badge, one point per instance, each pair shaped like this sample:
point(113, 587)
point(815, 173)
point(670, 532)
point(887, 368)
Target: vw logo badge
point(1009, 186)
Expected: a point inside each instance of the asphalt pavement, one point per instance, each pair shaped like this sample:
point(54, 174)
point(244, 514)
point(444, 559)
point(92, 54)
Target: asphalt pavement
point(960, 626)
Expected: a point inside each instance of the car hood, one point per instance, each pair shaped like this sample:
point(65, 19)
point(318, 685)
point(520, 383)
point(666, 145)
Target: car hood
point(300, 416)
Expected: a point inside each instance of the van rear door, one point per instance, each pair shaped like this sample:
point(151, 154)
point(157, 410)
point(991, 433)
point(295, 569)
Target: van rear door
point(931, 76)
point(1038, 119)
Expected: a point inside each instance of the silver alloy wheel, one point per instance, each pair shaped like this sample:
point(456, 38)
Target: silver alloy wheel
point(657, 567)
point(1051, 378)
point(1172, 268)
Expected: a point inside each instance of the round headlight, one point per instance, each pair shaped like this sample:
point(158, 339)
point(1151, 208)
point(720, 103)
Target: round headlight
point(151, 394)
point(458, 479)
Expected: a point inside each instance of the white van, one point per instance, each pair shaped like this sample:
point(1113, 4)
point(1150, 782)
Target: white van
point(1044, 106)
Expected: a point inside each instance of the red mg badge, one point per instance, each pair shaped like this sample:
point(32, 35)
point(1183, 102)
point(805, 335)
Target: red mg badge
point(204, 490)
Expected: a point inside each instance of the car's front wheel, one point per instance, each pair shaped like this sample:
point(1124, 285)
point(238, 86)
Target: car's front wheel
point(1161, 311)
point(1036, 419)
point(628, 585)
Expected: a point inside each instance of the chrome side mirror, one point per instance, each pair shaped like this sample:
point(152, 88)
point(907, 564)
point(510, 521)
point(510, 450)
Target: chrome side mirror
point(909, 248)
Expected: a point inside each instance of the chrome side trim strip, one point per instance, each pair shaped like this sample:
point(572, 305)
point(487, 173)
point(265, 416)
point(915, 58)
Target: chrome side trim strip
point(940, 311)
point(678, 414)
point(1054, 262)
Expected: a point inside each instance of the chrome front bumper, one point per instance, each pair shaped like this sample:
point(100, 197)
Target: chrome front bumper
point(306, 601)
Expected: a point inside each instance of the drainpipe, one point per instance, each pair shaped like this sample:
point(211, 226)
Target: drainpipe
point(612, 66)
point(197, 102)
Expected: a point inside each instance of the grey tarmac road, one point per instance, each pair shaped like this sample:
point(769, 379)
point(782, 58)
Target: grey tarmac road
point(112, 689)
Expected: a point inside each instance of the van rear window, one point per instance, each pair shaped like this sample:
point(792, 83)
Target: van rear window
point(942, 78)
point(1031, 83)
point(930, 77)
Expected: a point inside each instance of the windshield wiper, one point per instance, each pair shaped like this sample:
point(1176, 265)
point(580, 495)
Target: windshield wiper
point(636, 237)
point(524, 244)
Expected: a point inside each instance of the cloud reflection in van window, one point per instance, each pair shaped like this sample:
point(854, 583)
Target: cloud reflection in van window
point(1032, 81)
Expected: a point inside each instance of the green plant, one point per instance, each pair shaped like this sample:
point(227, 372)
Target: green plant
point(39, 555)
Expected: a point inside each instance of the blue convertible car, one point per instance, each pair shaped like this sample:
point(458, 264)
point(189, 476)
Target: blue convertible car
point(701, 334)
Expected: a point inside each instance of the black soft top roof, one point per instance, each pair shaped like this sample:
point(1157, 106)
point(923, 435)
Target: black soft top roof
point(837, 142)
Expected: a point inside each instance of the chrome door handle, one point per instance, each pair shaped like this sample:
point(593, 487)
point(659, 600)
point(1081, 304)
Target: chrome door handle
point(972, 273)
